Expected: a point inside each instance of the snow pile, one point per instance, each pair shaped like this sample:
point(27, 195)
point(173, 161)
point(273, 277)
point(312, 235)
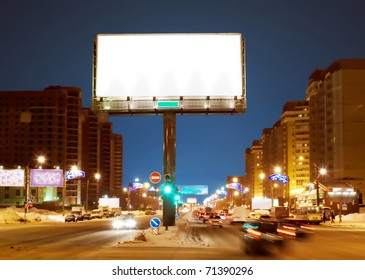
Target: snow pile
point(14, 215)
point(10, 215)
point(180, 235)
point(354, 217)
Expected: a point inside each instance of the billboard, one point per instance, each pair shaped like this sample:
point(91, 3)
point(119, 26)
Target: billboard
point(193, 189)
point(12, 178)
point(111, 202)
point(46, 178)
point(153, 73)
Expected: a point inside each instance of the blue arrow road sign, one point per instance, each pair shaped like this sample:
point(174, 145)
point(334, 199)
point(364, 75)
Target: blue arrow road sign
point(155, 222)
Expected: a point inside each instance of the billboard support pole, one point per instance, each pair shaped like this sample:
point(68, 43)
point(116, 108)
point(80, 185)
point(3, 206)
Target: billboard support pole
point(169, 149)
point(26, 191)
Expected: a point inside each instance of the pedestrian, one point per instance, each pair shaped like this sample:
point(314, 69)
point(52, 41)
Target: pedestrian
point(332, 216)
point(324, 216)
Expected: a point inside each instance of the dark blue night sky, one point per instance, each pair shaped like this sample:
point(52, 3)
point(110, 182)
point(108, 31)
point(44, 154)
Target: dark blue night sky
point(45, 43)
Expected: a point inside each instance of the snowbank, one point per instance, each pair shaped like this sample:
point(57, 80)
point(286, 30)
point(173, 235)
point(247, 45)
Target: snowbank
point(14, 215)
point(180, 235)
point(354, 217)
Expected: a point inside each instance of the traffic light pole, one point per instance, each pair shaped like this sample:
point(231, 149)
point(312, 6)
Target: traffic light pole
point(169, 168)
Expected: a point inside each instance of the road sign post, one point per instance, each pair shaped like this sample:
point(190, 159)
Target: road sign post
point(155, 223)
point(155, 177)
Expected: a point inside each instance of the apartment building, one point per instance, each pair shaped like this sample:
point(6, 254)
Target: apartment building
point(336, 97)
point(295, 127)
point(253, 160)
point(52, 123)
point(35, 123)
point(284, 146)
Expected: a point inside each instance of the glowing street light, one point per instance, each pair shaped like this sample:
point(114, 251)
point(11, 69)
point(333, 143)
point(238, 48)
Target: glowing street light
point(40, 160)
point(97, 178)
point(322, 171)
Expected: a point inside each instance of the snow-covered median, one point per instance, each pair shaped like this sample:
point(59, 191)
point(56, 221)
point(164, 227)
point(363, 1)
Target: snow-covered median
point(180, 235)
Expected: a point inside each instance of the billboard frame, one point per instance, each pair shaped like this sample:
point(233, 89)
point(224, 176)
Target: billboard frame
point(190, 105)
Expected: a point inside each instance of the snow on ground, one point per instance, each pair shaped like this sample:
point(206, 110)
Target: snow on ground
point(180, 235)
point(14, 215)
point(354, 217)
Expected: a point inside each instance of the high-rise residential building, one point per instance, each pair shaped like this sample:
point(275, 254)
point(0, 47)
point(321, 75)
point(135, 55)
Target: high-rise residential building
point(105, 138)
point(337, 122)
point(284, 146)
point(295, 127)
point(35, 123)
point(110, 148)
point(52, 123)
point(272, 146)
point(253, 160)
point(89, 161)
point(117, 164)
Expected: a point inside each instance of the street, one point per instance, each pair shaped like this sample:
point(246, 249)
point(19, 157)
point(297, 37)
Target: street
point(96, 240)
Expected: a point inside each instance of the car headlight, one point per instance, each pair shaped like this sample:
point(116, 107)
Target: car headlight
point(130, 223)
point(118, 224)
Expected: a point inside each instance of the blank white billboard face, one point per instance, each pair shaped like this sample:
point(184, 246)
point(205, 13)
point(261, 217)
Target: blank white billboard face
point(169, 65)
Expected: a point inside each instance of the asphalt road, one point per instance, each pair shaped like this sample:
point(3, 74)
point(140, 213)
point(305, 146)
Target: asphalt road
point(96, 240)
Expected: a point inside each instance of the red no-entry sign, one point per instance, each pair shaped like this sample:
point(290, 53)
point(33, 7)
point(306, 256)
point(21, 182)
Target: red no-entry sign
point(155, 177)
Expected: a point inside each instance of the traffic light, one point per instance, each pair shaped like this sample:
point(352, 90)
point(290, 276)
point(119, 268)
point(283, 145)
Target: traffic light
point(166, 189)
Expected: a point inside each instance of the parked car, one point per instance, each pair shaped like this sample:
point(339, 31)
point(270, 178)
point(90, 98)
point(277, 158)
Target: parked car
point(96, 214)
point(111, 214)
point(86, 216)
point(70, 218)
point(78, 215)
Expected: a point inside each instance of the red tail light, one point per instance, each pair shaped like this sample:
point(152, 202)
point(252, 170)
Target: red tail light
point(254, 232)
point(288, 232)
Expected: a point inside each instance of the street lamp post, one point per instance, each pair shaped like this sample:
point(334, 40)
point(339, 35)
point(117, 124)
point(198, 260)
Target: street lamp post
point(127, 189)
point(63, 191)
point(40, 160)
point(322, 171)
point(26, 191)
point(97, 178)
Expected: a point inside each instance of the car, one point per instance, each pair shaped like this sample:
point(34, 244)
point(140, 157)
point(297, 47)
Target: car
point(70, 218)
point(78, 215)
point(215, 220)
point(95, 214)
point(260, 237)
point(86, 216)
point(150, 211)
point(127, 221)
point(205, 216)
point(111, 214)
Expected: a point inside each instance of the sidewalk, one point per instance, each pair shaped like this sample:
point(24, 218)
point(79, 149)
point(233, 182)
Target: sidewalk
point(348, 221)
